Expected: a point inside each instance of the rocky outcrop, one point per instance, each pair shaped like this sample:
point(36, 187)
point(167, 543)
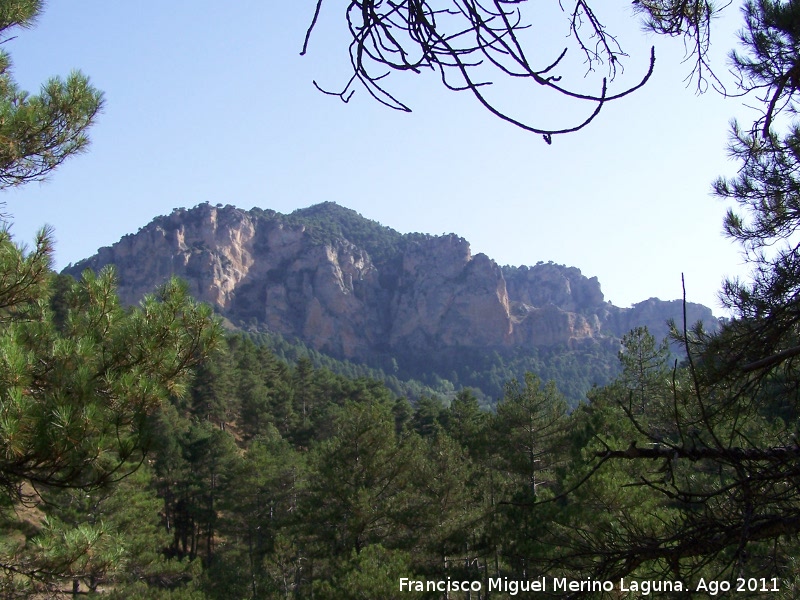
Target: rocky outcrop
point(550, 284)
point(443, 292)
point(653, 313)
point(311, 275)
point(211, 249)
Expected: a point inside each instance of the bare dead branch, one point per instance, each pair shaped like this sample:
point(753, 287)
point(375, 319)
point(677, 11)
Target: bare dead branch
point(463, 40)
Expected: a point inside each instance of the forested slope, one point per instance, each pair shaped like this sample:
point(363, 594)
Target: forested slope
point(278, 481)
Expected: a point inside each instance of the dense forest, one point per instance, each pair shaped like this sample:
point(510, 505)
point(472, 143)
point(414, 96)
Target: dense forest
point(483, 372)
point(146, 454)
point(274, 481)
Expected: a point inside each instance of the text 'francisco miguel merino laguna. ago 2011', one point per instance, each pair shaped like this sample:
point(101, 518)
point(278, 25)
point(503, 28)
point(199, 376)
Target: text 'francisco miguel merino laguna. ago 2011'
point(563, 584)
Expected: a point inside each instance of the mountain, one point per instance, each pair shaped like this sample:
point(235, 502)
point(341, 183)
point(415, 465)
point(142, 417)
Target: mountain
point(354, 289)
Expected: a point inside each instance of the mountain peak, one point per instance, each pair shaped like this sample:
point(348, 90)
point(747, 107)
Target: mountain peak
point(327, 210)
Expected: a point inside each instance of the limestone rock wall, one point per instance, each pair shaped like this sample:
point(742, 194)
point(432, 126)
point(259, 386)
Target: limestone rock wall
point(267, 270)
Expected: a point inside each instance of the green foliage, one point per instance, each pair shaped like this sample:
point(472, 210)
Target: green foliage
point(77, 553)
point(466, 423)
point(372, 573)
point(295, 350)
point(75, 398)
point(363, 487)
point(486, 371)
point(531, 418)
point(39, 132)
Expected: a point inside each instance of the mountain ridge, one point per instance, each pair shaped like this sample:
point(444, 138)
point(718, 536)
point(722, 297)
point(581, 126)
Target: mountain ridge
point(356, 289)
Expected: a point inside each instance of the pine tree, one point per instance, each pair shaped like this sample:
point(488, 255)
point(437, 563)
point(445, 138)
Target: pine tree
point(39, 131)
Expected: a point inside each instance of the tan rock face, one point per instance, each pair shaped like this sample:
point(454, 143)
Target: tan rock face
point(267, 270)
point(443, 293)
point(211, 251)
point(548, 283)
point(319, 294)
point(551, 326)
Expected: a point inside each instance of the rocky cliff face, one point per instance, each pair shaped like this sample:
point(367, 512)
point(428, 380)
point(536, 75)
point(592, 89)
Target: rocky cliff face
point(446, 297)
point(346, 286)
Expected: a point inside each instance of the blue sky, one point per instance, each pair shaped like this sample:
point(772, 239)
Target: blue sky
point(207, 102)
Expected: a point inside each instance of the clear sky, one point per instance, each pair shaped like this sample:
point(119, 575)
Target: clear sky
point(210, 101)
